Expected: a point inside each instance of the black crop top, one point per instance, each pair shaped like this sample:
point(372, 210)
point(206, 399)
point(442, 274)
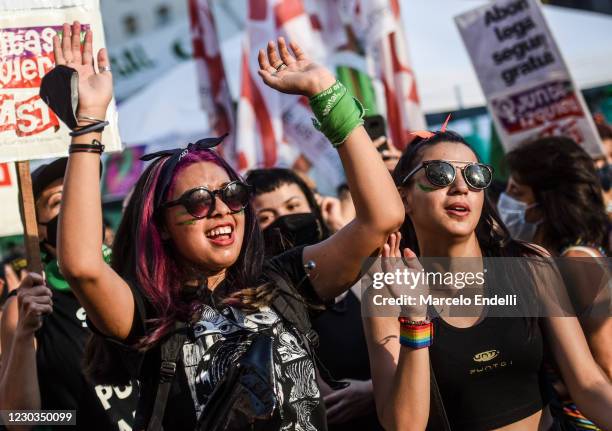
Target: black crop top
point(489, 374)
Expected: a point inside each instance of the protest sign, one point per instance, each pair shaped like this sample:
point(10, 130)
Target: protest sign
point(529, 90)
point(9, 196)
point(28, 128)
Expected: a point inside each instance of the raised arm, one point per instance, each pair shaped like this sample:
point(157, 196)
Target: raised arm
point(104, 295)
point(378, 206)
point(400, 375)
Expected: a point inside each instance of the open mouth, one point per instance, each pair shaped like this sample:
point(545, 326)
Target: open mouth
point(221, 234)
point(458, 210)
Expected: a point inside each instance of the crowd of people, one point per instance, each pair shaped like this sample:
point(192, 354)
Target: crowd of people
point(231, 303)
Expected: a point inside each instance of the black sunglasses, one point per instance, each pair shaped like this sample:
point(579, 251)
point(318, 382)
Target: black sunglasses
point(442, 173)
point(200, 201)
point(175, 156)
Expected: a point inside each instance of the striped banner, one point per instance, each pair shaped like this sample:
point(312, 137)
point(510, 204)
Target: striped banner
point(214, 89)
point(377, 24)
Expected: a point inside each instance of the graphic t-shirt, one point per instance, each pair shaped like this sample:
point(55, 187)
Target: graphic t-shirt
point(218, 338)
point(63, 386)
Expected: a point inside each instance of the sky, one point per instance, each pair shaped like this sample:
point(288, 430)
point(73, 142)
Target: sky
point(445, 77)
point(441, 62)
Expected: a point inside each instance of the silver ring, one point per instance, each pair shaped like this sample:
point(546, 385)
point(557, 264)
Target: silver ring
point(281, 67)
point(105, 69)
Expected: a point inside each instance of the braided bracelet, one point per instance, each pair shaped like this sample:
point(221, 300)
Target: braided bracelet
point(88, 129)
point(416, 335)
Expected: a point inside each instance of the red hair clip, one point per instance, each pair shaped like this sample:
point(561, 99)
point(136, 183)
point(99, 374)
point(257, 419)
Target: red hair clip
point(426, 134)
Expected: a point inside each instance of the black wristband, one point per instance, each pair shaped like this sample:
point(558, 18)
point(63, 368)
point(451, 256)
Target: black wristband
point(86, 151)
point(88, 129)
point(95, 147)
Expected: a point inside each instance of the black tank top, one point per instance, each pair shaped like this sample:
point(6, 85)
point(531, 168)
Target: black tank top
point(490, 375)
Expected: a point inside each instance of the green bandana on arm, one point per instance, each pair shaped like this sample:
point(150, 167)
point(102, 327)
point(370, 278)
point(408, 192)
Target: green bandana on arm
point(337, 113)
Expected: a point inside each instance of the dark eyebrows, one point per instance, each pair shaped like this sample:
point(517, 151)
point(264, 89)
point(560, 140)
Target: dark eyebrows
point(291, 198)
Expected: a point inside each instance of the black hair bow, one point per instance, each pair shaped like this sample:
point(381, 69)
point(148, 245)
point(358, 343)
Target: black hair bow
point(176, 154)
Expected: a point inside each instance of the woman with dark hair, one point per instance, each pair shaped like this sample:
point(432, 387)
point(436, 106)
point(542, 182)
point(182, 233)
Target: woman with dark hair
point(487, 369)
point(554, 198)
point(557, 183)
point(290, 217)
point(216, 338)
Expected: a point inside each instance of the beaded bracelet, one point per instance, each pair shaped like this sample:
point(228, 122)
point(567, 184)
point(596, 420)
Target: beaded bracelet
point(416, 335)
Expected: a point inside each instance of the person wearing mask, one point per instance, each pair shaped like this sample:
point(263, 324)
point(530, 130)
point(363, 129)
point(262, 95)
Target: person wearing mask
point(215, 336)
point(554, 199)
point(44, 333)
point(442, 184)
point(289, 216)
point(604, 169)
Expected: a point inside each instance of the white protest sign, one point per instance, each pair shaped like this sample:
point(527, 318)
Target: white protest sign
point(28, 128)
point(528, 87)
point(9, 196)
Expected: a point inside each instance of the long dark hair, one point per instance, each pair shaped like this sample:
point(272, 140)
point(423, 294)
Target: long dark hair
point(493, 236)
point(141, 255)
point(147, 262)
point(567, 189)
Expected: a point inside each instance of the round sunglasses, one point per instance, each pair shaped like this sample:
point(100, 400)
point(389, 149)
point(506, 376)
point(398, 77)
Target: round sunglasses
point(200, 201)
point(442, 173)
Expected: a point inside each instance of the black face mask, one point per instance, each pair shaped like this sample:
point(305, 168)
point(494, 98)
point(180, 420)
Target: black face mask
point(51, 226)
point(291, 231)
point(605, 177)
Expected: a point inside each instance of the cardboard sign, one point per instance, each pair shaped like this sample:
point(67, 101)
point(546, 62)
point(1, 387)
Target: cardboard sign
point(526, 82)
point(28, 128)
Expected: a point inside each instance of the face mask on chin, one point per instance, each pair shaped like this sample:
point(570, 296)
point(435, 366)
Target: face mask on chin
point(291, 231)
point(512, 213)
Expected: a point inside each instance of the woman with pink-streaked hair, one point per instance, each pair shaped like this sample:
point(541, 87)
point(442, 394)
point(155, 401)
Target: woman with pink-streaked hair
point(217, 337)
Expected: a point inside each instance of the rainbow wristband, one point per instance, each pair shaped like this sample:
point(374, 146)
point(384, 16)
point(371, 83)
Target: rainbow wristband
point(337, 113)
point(416, 335)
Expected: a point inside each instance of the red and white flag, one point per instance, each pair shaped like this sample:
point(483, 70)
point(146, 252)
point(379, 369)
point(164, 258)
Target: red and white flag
point(259, 108)
point(214, 90)
point(378, 26)
point(274, 129)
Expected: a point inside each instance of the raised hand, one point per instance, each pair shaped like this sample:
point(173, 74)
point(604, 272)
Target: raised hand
point(95, 87)
point(331, 211)
point(33, 301)
point(392, 260)
point(292, 73)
